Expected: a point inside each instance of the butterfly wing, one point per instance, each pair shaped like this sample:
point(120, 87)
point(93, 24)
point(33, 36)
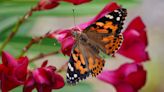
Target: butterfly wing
point(77, 68)
point(106, 32)
point(84, 61)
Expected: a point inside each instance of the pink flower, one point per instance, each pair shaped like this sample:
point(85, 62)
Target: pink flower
point(135, 41)
point(129, 77)
point(12, 72)
point(77, 2)
point(65, 37)
point(50, 4)
point(46, 4)
point(67, 45)
point(44, 79)
point(60, 35)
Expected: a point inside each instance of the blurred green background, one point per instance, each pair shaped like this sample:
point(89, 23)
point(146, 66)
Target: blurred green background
point(62, 17)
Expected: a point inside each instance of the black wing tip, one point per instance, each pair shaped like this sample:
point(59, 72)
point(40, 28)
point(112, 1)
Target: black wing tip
point(75, 81)
point(124, 11)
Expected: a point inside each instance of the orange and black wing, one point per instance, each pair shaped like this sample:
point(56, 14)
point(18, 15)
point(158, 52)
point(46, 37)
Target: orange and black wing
point(84, 61)
point(106, 32)
point(105, 35)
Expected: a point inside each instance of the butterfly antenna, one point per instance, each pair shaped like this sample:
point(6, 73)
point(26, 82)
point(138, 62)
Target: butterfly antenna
point(74, 17)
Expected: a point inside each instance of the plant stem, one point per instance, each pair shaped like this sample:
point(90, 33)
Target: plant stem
point(40, 56)
point(16, 28)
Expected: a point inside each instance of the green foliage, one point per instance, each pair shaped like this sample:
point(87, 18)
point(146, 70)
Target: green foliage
point(19, 7)
point(81, 87)
point(45, 46)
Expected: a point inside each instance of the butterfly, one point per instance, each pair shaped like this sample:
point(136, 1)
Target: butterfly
point(102, 36)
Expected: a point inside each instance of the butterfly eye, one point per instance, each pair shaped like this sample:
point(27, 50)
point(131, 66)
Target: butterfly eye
point(74, 33)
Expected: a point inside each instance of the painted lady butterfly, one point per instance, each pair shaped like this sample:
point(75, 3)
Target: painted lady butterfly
point(103, 35)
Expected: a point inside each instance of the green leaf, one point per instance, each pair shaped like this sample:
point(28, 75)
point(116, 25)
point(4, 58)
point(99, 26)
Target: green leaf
point(18, 89)
point(7, 23)
point(81, 87)
point(18, 43)
point(18, 7)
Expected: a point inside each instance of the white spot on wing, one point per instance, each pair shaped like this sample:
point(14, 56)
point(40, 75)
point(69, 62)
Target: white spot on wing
point(67, 75)
point(118, 18)
point(70, 67)
point(116, 11)
point(75, 75)
point(109, 16)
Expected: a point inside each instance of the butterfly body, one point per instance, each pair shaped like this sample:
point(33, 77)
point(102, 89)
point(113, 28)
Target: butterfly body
point(102, 36)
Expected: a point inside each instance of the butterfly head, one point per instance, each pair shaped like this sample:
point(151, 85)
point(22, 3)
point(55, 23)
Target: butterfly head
point(76, 32)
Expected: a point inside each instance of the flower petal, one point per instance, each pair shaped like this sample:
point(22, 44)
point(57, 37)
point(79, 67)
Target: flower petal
point(67, 45)
point(129, 77)
point(8, 82)
point(20, 71)
point(41, 76)
point(50, 4)
point(29, 84)
point(135, 41)
point(138, 24)
point(1, 70)
point(137, 79)
point(60, 35)
point(110, 77)
point(59, 81)
point(44, 79)
point(77, 2)
point(44, 64)
point(123, 87)
point(41, 88)
point(51, 68)
point(46, 4)
point(13, 72)
point(8, 60)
